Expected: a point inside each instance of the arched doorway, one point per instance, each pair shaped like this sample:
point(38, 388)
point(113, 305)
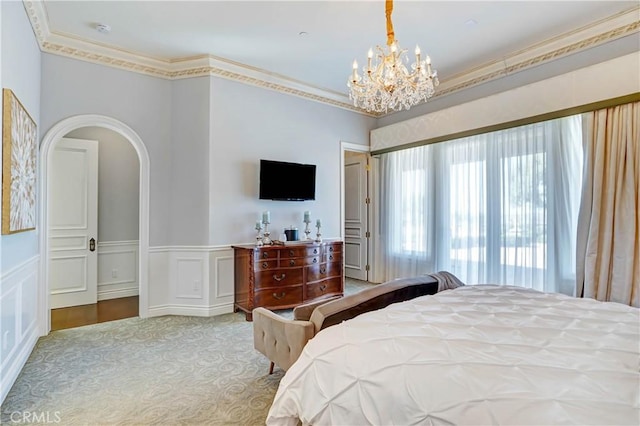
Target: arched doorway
point(57, 132)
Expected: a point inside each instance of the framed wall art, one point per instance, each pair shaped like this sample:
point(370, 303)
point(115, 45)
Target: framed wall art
point(19, 166)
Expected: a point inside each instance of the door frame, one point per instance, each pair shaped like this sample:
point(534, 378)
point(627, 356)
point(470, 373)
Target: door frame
point(349, 146)
point(57, 132)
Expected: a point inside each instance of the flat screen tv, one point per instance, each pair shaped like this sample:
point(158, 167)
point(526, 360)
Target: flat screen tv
point(280, 180)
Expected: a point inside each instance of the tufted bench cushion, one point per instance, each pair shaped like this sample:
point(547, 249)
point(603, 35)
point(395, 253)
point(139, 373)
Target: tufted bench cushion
point(372, 299)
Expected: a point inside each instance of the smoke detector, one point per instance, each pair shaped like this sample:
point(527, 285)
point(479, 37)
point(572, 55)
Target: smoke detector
point(103, 28)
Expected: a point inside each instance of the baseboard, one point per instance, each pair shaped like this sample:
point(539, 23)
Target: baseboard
point(10, 373)
point(118, 293)
point(188, 310)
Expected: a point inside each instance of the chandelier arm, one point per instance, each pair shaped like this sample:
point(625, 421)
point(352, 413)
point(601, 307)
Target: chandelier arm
point(390, 34)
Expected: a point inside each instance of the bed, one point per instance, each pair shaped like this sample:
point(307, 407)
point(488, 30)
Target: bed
point(474, 355)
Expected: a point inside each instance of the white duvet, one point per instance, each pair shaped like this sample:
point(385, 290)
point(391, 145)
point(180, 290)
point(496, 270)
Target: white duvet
point(473, 355)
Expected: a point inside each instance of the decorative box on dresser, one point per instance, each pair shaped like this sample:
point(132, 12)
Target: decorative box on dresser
point(284, 276)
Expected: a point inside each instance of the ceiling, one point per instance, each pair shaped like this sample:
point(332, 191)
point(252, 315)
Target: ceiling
point(265, 36)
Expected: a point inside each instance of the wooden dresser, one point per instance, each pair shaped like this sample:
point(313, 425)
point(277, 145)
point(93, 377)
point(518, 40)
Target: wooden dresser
point(284, 276)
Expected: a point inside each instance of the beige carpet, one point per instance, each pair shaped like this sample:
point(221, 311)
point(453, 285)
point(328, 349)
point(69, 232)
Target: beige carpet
point(165, 370)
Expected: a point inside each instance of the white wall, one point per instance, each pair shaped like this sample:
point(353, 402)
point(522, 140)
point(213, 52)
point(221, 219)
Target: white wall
point(248, 124)
point(118, 184)
point(205, 137)
point(242, 124)
point(19, 257)
point(74, 87)
point(20, 73)
point(189, 161)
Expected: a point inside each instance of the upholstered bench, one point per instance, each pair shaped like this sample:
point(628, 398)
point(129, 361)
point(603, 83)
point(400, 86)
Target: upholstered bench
point(281, 340)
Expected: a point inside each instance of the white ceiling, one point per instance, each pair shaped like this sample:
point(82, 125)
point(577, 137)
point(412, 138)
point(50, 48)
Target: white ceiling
point(265, 34)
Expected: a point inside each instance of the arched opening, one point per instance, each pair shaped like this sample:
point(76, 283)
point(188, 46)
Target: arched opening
point(57, 132)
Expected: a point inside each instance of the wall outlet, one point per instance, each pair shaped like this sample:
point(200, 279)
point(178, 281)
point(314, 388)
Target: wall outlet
point(114, 273)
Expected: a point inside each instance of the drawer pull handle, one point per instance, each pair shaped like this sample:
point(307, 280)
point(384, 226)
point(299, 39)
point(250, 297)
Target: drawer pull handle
point(330, 257)
point(323, 287)
point(315, 251)
point(265, 265)
point(279, 296)
point(279, 278)
point(315, 260)
point(290, 252)
point(330, 248)
point(292, 262)
point(323, 270)
point(265, 254)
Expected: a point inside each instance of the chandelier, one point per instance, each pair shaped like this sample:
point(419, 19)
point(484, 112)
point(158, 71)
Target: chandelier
point(386, 83)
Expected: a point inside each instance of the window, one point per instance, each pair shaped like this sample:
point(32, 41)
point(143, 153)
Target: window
point(488, 208)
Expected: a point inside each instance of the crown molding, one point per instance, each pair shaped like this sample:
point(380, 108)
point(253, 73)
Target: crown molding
point(597, 33)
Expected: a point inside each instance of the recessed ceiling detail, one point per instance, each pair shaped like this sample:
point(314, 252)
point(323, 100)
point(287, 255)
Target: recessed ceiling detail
point(614, 27)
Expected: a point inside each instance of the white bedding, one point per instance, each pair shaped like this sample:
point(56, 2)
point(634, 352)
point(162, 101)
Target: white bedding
point(473, 355)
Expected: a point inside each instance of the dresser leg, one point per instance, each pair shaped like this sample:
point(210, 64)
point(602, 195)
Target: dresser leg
point(271, 368)
point(248, 316)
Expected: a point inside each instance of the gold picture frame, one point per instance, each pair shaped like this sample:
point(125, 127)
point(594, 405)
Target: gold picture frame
point(19, 166)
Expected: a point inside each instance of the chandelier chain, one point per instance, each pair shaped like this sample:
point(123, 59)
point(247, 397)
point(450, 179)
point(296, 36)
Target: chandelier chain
point(391, 37)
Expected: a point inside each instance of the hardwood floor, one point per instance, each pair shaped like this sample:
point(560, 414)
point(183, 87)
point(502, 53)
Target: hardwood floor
point(103, 311)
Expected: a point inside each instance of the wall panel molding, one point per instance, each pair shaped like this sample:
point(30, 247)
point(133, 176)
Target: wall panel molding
point(19, 328)
point(191, 280)
point(118, 269)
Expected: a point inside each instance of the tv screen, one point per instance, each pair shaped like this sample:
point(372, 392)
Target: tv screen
point(287, 181)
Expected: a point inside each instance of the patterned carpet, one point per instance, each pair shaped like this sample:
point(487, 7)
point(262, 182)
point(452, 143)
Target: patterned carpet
point(165, 370)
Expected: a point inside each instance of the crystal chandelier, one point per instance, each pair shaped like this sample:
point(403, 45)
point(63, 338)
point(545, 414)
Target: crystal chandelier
point(386, 83)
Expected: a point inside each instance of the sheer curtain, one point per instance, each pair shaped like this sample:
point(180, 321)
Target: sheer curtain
point(499, 207)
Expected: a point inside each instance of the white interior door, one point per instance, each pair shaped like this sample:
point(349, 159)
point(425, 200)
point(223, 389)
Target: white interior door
point(73, 223)
point(356, 226)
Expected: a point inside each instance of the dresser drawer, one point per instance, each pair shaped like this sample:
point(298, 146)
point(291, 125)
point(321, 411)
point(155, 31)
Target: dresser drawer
point(287, 253)
point(291, 262)
point(266, 254)
point(313, 260)
point(333, 248)
point(313, 251)
point(262, 265)
point(333, 285)
point(323, 270)
point(275, 297)
point(278, 277)
point(332, 257)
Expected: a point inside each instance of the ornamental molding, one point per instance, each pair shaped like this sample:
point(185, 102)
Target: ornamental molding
point(599, 32)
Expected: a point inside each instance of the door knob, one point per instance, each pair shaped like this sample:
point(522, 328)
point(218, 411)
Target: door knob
point(92, 244)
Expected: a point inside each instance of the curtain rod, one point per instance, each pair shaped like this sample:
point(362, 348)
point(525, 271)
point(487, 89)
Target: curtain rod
point(594, 106)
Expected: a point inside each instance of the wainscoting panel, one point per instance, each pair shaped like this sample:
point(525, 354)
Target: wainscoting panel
point(190, 280)
point(190, 276)
point(18, 320)
point(117, 269)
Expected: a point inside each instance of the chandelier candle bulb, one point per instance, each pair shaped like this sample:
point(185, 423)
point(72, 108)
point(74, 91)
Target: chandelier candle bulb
point(266, 217)
point(307, 216)
point(258, 225)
